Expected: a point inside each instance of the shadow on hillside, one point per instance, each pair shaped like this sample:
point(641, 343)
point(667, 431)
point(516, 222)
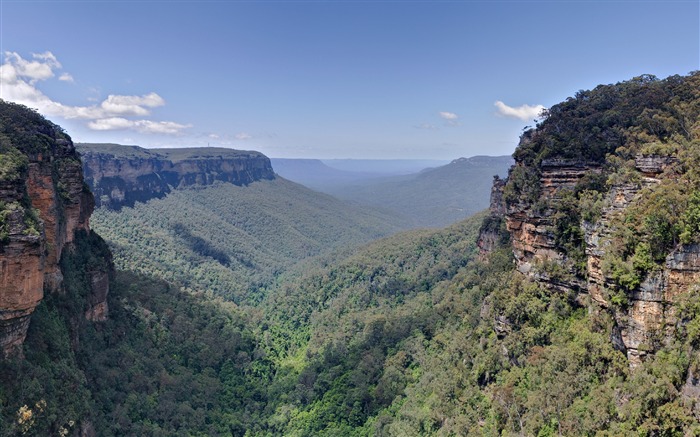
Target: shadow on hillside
point(200, 246)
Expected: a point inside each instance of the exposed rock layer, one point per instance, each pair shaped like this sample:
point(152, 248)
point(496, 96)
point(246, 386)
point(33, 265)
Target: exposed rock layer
point(43, 202)
point(122, 175)
point(29, 259)
point(648, 318)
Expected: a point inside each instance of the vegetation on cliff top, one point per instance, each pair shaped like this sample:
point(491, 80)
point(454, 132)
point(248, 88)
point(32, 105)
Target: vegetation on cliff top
point(174, 155)
point(633, 116)
point(24, 135)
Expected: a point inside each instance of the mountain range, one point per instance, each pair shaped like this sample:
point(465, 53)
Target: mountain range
point(431, 197)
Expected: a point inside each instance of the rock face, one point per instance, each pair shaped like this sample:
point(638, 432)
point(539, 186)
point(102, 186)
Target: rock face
point(122, 175)
point(97, 299)
point(530, 227)
point(490, 233)
point(647, 319)
point(43, 202)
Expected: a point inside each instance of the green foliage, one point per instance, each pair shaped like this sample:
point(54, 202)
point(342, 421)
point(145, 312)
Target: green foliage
point(523, 185)
point(49, 388)
point(690, 222)
point(568, 234)
point(25, 130)
point(233, 241)
point(167, 362)
point(395, 338)
point(646, 232)
point(595, 123)
point(590, 203)
point(13, 163)
point(6, 209)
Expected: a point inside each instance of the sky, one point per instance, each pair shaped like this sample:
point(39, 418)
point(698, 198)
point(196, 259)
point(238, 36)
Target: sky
point(329, 79)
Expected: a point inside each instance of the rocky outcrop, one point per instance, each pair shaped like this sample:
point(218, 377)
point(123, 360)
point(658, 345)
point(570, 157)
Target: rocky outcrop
point(122, 175)
point(530, 226)
point(97, 299)
point(490, 232)
point(43, 202)
point(647, 319)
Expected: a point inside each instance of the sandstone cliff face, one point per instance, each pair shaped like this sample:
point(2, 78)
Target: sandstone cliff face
point(22, 264)
point(530, 227)
point(122, 175)
point(43, 202)
point(647, 319)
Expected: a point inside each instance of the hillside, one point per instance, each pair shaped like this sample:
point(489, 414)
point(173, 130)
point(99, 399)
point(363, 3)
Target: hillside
point(231, 240)
point(213, 219)
point(570, 308)
point(435, 197)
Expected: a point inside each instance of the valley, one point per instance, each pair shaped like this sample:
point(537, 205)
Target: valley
point(429, 197)
point(208, 295)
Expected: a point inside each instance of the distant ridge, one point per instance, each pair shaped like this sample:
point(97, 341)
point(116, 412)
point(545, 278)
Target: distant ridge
point(122, 175)
point(434, 197)
point(316, 174)
point(384, 167)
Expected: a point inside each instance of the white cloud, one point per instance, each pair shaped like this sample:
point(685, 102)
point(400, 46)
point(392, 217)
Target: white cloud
point(47, 57)
point(18, 78)
point(160, 127)
point(113, 123)
point(523, 112)
point(450, 116)
point(243, 136)
point(39, 69)
point(143, 126)
point(131, 105)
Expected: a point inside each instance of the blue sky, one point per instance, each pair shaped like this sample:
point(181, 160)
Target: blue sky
point(329, 79)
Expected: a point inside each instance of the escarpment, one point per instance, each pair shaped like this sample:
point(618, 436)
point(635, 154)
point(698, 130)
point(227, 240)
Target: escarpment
point(603, 203)
point(122, 175)
point(43, 203)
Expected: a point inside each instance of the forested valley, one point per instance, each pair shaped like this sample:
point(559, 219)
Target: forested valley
point(532, 318)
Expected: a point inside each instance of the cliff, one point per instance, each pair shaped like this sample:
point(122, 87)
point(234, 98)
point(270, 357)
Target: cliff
point(122, 175)
point(601, 205)
point(43, 203)
point(539, 253)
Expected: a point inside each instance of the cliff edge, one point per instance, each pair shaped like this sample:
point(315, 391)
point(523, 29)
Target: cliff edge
point(122, 175)
point(43, 203)
point(603, 205)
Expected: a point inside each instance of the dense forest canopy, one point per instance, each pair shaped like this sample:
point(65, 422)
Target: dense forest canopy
point(638, 116)
point(233, 241)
